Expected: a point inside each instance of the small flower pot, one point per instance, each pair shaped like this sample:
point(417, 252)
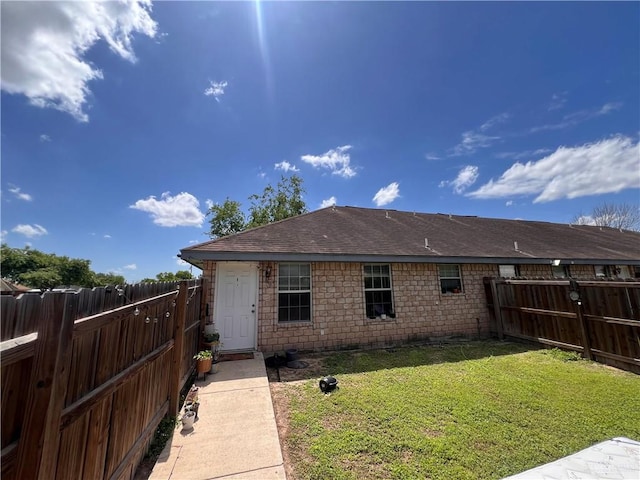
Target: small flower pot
point(187, 419)
point(204, 366)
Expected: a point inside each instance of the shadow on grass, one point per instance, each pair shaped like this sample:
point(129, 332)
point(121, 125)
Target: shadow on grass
point(359, 361)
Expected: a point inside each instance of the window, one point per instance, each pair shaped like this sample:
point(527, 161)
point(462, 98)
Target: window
point(377, 290)
point(450, 278)
point(601, 271)
point(622, 271)
point(559, 271)
point(636, 271)
point(509, 271)
point(294, 292)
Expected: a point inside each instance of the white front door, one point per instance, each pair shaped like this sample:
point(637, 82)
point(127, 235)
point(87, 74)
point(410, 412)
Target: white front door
point(235, 311)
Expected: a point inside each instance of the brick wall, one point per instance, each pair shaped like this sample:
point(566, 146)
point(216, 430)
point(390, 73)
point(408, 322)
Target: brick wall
point(338, 305)
point(338, 308)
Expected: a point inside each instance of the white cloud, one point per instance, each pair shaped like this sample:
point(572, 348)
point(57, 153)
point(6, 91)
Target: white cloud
point(557, 101)
point(524, 154)
point(209, 203)
point(3, 235)
point(509, 203)
point(493, 121)
point(216, 89)
point(431, 156)
point(467, 176)
point(286, 167)
point(387, 194)
point(20, 195)
point(131, 266)
point(585, 220)
point(43, 44)
point(337, 160)
point(576, 118)
point(328, 202)
point(45, 138)
point(182, 263)
point(607, 166)
point(106, 235)
point(182, 210)
point(30, 231)
point(473, 140)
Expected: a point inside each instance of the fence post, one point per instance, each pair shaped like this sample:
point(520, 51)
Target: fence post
point(40, 439)
point(497, 311)
point(584, 330)
point(178, 347)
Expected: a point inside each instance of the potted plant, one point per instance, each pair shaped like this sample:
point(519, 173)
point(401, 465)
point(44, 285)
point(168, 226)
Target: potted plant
point(211, 339)
point(203, 358)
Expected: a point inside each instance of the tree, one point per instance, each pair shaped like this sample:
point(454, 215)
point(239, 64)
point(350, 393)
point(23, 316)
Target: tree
point(103, 279)
point(226, 219)
point(274, 205)
point(36, 269)
point(271, 206)
point(623, 215)
point(169, 277)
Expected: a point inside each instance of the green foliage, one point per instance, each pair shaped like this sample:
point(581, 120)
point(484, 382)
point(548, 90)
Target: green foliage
point(272, 205)
point(104, 279)
point(163, 433)
point(36, 269)
point(203, 355)
point(563, 355)
point(226, 219)
point(169, 277)
point(481, 410)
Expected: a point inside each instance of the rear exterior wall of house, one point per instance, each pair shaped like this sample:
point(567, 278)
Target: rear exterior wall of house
point(338, 305)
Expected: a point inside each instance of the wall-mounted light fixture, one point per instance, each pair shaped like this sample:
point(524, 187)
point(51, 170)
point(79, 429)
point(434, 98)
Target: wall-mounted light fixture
point(555, 263)
point(267, 271)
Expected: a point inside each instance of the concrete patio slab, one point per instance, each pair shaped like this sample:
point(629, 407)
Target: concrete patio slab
point(618, 458)
point(235, 435)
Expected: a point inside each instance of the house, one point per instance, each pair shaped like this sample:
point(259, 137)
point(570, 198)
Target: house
point(346, 276)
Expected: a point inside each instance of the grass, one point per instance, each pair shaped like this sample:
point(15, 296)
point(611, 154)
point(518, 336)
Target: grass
point(473, 411)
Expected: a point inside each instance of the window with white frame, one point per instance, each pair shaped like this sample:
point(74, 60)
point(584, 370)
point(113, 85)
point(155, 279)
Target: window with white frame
point(509, 271)
point(294, 292)
point(377, 290)
point(450, 278)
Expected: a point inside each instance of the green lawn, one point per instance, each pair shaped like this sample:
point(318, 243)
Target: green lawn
point(470, 411)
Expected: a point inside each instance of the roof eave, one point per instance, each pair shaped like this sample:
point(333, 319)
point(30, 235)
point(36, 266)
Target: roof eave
point(198, 257)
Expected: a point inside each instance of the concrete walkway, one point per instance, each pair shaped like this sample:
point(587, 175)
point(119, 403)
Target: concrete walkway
point(235, 436)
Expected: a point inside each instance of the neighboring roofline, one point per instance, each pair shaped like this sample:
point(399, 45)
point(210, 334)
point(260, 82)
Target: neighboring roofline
point(196, 259)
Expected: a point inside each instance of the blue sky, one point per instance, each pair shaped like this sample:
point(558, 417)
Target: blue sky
point(121, 123)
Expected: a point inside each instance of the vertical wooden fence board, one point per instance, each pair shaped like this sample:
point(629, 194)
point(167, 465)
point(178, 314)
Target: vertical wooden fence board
point(38, 446)
point(14, 397)
point(178, 348)
point(97, 441)
point(8, 314)
point(73, 444)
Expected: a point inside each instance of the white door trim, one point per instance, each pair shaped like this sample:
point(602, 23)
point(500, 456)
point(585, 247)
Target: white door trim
point(253, 266)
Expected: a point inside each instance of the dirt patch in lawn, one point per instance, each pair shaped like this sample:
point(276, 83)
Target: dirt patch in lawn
point(280, 381)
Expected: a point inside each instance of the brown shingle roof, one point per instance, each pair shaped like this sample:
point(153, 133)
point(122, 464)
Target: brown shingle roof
point(351, 233)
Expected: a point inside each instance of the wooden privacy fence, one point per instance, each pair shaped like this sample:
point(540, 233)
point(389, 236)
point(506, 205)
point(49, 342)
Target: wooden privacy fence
point(87, 376)
point(602, 321)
